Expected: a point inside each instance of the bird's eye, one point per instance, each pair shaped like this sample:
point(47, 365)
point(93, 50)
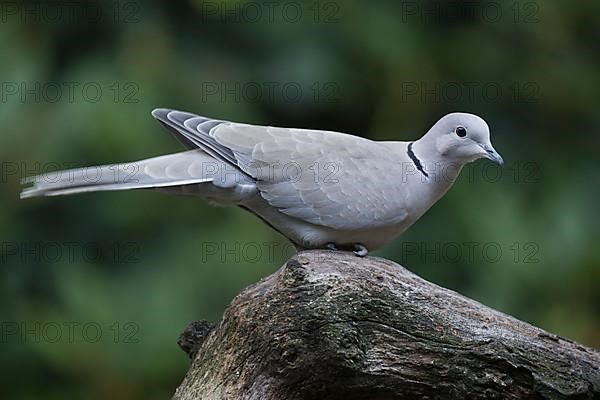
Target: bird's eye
point(461, 131)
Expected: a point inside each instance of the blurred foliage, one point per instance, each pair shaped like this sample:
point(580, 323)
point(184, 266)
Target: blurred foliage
point(128, 271)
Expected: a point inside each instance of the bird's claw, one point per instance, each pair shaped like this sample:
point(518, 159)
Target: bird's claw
point(360, 250)
point(331, 246)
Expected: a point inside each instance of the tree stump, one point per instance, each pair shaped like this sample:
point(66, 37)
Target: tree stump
point(330, 325)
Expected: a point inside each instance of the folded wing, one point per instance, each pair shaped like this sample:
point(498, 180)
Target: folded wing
point(326, 178)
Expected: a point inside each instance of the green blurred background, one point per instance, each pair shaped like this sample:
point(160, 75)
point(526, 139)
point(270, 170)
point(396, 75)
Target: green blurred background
point(96, 288)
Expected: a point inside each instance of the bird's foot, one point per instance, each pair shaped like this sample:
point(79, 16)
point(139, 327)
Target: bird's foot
point(360, 250)
point(331, 246)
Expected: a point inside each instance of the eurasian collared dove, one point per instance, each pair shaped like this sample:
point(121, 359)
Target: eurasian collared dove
point(319, 189)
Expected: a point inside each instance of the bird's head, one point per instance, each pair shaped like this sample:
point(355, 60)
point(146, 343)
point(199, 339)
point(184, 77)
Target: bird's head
point(463, 138)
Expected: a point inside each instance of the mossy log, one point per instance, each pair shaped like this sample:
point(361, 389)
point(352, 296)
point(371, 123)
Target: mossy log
point(329, 325)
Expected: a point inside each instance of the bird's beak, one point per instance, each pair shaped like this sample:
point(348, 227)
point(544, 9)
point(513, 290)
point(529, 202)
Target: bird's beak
point(492, 154)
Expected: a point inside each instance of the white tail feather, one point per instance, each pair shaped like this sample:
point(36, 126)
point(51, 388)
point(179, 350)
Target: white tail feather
point(171, 170)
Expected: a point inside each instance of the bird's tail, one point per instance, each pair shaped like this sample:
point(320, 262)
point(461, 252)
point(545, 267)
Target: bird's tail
point(171, 170)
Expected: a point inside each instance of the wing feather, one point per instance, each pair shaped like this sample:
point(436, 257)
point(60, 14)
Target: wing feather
point(194, 131)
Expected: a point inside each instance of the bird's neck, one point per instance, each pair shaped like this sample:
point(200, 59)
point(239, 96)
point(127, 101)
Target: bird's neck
point(435, 165)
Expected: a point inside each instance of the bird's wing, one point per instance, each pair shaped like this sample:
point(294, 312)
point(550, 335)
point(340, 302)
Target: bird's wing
point(325, 178)
point(193, 132)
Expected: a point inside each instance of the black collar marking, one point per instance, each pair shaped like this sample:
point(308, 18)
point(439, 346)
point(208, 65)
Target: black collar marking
point(415, 160)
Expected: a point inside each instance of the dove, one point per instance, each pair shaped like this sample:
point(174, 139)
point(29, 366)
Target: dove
point(319, 189)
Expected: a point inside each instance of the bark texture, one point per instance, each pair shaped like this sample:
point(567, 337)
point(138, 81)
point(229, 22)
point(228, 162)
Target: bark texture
point(329, 325)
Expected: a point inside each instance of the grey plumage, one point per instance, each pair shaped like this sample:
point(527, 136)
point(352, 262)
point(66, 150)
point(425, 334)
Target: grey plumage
point(318, 188)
